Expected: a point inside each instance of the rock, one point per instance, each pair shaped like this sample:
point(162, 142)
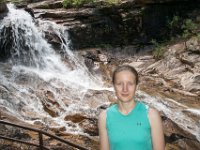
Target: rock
point(6, 48)
point(76, 118)
point(126, 23)
point(187, 144)
point(191, 82)
point(193, 45)
point(180, 65)
point(94, 98)
point(90, 126)
point(4, 92)
point(172, 129)
point(54, 39)
point(3, 10)
point(50, 97)
point(58, 129)
point(51, 111)
point(39, 123)
point(30, 11)
point(179, 138)
point(103, 58)
point(50, 4)
point(51, 106)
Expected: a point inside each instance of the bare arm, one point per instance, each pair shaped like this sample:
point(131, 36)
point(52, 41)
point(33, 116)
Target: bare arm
point(156, 130)
point(104, 144)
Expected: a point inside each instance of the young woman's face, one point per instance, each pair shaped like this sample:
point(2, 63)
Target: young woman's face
point(125, 85)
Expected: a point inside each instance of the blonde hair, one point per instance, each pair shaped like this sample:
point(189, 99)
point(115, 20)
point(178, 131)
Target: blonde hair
point(125, 68)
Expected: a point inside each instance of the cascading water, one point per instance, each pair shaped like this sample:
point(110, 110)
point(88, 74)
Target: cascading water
point(33, 65)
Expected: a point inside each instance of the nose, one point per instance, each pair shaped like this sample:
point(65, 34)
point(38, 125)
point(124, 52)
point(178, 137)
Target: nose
point(125, 87)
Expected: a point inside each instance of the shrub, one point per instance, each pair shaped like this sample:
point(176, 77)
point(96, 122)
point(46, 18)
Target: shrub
point(112, 2)
point(189, 27)
point(79, 3)
point(159, 51)
point(75, 3)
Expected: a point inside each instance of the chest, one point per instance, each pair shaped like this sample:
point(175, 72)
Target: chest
point(134, 130)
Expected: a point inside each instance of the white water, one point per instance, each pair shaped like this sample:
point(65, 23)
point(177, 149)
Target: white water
point(33, 58)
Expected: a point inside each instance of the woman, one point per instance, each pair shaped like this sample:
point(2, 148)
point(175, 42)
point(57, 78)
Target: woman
point(129, 125)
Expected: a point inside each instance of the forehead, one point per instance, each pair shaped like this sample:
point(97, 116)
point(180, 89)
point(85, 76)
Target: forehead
point(124, 73)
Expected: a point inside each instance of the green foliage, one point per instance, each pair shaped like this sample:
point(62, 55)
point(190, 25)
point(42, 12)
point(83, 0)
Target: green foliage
point(174, 26)
point(158, 53)
point(75, 3)
point(198, 36)
point(112, 2)
point(182, 27)
point(188, 27)
point(174, 22)
point(17, 1)
point(79, 3)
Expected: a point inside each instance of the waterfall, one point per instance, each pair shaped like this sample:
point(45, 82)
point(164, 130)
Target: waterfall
point(32, 65)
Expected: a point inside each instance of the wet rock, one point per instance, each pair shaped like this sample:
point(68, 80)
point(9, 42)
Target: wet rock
point(50, 97)
point(90, 126)
point(30, 11)
point(6, 46)
point(53, 38)
point(4, 92)
point(3, 10)
point(39, 123)
point(98, 62)
point(67, 101)
point(30, 114)
point(58, 129)
point(50, 106)
point(76, 118)
point(51, 111)
point(94, 98)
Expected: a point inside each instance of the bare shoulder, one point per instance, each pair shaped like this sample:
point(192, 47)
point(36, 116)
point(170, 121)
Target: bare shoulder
point(102, 115)
point(153, 112)
point(102, 119)
point(154, 115)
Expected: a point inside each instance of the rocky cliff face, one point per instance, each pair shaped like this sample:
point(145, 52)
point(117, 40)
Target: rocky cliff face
point(130, 22)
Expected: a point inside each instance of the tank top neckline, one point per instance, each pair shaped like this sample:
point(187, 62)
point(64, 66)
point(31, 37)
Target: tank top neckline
point(133, 109)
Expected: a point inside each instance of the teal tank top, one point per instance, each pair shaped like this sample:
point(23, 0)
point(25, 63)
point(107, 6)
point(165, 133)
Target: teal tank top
point(129, 132)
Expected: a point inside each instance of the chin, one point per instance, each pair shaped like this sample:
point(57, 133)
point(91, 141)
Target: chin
point(126, 100)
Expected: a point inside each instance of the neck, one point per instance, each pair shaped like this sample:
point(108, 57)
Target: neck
point(125, 108)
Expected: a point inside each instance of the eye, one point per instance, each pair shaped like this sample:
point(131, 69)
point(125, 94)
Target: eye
point(130, 83)
point(119, 83)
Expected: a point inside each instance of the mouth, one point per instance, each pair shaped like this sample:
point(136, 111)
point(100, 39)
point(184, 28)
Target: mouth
point(124, 95)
